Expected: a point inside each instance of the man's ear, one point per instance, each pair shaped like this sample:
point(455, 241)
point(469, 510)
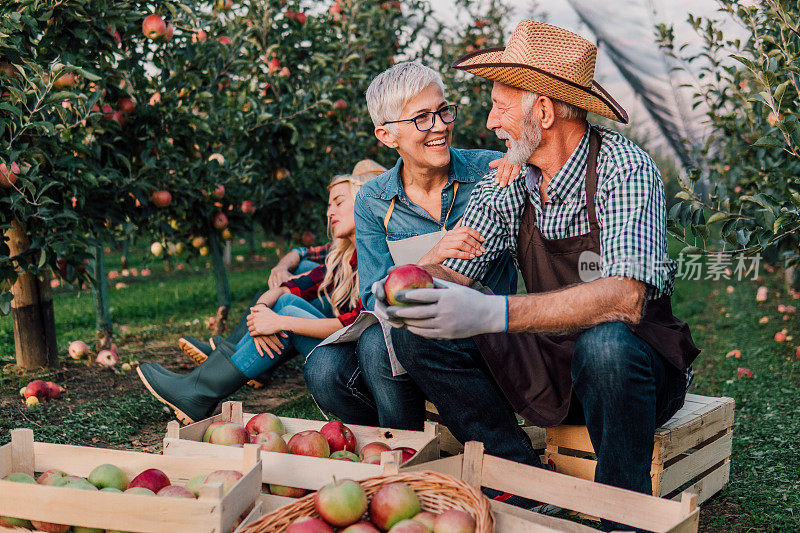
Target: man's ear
point(545, 111)
point(383, 134)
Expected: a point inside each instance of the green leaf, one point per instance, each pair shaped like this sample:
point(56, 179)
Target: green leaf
point(691, 250)
point(718, 217)
point(780, 90)
point(683, 195)
point(11, 109)
point(769, 140)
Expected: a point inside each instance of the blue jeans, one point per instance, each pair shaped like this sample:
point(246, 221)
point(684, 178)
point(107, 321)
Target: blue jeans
point(251, 363)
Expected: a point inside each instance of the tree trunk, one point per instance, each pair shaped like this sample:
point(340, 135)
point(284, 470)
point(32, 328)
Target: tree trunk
point(223, 288)
point(105, 328)
point(251, 243)
point(31, 310)
point(226, 254)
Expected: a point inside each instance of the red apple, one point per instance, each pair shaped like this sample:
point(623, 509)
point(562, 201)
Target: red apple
point(301, 18)
point(288, 492)
point(8, 69)
point(229, 434)
point(126, 105)
point(405, 277)
point(409, 526)
point(225, 40)
point(53, 390)
point(37, 388)
point(274, 65)
point(335, 9)
point(161, 198)
point(373, 448)
point(152, 479)
point(227, 478)
point(175, 491)
point(339, 436)
point(360, 527)
point(407, 452)
point(8, 174)
point(154, 27)
point(454, 521)
point(200, 36)
point(341, 502)
point(427, 518)
point(219, 191)
point(308, 524)
point(211, 428)
point(220, 221)
point(49, 477)
point(248, 207)
point(284, 72)
point(65, 81)
point(344, 455)
point(78, 349)
point(392, 503)
point(170, 32)
point(271, 442)
point(107, 358)
point(310, 443)
point(340, 104)
point(780, 336)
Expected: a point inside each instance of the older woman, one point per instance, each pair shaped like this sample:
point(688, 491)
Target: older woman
point(409, 214)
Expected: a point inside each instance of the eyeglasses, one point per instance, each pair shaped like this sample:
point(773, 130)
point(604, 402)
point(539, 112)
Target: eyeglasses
point(425, 121)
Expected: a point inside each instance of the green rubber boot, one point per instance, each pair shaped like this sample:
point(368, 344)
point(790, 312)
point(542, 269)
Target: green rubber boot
point(195, 395)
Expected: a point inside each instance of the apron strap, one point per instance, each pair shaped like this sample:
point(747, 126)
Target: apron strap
point(391, 209)
point(591, 177)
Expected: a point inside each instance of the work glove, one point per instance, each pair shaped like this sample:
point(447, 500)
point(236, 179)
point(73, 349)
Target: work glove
point(381, 304)
point(449, 311)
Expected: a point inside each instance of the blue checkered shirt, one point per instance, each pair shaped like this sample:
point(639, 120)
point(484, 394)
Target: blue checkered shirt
point(630, 207)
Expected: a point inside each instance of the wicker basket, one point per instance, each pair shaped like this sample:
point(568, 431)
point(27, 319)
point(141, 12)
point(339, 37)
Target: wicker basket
point(437, 493)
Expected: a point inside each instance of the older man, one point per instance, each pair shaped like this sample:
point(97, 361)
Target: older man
point(594, 339)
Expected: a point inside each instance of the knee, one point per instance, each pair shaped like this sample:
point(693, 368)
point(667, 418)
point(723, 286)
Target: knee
point(321, 373)
point(284, 300)
point(371, 348)
point(607, 353)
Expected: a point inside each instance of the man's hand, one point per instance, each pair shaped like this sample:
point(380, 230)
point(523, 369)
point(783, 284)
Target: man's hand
point(450, 311)
point(506, 172)
point(278, 275)
point(461, 242)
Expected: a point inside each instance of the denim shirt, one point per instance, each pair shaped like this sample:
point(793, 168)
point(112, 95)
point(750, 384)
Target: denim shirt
point(467, 167)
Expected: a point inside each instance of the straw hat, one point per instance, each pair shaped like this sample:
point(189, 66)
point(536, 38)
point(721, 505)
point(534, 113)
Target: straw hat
point(550, 61)
point(365, 170)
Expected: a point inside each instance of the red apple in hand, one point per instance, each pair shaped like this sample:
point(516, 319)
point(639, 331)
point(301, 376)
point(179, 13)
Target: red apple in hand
point(405, 277)
point(341, 503)
point(154, 27)
point(310, 443)
point(152, 479)
point(339, 436)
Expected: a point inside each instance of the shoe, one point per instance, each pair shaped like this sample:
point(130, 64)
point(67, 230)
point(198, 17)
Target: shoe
point(195, 395)
point(196, 350)
point(255, 383)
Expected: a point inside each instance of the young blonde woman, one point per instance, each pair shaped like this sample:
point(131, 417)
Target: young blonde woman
point(282, 317)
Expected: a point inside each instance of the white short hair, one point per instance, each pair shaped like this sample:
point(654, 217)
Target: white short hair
point(563, 110)
point(391, 90)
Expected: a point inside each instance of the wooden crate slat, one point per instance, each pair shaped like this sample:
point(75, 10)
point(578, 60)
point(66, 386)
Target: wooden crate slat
point(256, 513)
point(6, 460)
point(270, 502)
point(242, 494)
point(572, 437)
point(311, 472)
point(572, 466)
point(450, 466)
point(578, 494)
point(689, 524)
point(698, 461)
point(511, 519)
point(22, 453)
point(710, 483)
point(695, 431)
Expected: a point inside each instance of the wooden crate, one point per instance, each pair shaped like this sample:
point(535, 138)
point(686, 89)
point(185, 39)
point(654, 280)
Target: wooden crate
point(691, 451)
point(567, 492)
point(211, 512)
point(297, 470)
point(450, 445)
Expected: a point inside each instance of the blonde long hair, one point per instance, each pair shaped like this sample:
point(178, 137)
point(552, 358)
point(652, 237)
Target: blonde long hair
point(340, 284)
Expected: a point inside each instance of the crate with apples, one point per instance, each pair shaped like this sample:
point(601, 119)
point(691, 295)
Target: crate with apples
point(59, 488)
point(299, 455)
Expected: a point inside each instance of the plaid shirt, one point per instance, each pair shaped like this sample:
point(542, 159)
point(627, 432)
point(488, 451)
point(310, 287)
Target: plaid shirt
point(314, 253)
point(308, 286)
point(630, 206)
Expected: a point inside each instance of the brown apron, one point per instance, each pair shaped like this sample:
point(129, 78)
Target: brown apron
point(532, 369)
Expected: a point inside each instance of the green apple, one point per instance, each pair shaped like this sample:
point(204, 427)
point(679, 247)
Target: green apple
point(108, 475)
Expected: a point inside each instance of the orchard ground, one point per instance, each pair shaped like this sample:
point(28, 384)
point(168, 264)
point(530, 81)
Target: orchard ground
point(111, 409)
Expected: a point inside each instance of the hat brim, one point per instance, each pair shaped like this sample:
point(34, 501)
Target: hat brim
point(488, 64)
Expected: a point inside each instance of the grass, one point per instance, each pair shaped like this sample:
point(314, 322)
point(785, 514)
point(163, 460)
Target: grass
point(106, 409)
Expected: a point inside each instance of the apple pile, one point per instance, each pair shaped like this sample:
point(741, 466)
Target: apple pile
point(38, 391)
point(111, 478)
point(334, 440)
point(394, 508)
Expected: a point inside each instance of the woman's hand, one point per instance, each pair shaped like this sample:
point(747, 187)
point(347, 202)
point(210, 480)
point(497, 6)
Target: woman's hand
point(278, 275)
point(461, 242)
point(506, 172)
point(264, 321)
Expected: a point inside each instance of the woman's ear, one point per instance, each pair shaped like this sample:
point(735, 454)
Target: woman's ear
point(383, 134)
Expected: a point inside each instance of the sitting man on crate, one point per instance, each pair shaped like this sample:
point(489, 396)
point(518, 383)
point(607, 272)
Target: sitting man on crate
point(595, 337)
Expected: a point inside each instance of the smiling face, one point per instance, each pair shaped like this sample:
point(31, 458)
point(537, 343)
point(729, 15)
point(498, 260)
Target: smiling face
point(512, 122)
point(340, 211)
point(421, 149)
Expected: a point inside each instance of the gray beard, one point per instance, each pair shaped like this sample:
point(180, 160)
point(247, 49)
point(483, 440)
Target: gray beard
point(519, 151)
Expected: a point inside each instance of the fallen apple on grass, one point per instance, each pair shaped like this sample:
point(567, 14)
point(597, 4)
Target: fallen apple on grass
point(79, 349)
point(107, 358)
point(37, 388)
point(403, 278)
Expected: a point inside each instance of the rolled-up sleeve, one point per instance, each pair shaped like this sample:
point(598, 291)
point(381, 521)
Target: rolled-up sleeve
point(482, 214)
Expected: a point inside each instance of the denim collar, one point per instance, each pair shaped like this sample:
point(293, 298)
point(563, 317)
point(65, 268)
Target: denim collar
point(461, 170)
